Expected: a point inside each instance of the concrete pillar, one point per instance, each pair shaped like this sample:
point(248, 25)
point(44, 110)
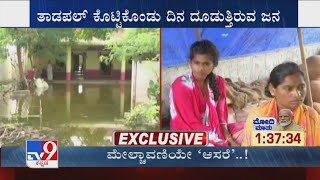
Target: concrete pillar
point(123, 70)
point(68, 100)
point(68, 64)
point(133, 83)
point(122, 98)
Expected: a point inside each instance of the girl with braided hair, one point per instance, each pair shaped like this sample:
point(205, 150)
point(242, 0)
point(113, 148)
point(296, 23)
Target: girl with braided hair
point(198, 98)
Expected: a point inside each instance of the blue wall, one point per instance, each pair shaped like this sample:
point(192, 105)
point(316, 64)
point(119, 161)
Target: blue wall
point(231, 41)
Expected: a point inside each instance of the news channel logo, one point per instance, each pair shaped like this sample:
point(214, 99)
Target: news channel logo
point(42, 153)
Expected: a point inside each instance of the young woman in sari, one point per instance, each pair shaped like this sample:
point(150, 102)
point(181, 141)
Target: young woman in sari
point(198, 98)
point(287, 88)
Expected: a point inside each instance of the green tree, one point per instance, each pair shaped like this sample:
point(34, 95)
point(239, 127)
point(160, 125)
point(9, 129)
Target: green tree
point(136, 44)
point(99, 33)
point(51, 42)
point(3, 45)
point(45, 42)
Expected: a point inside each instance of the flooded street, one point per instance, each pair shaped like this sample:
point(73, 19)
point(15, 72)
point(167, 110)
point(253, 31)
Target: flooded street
point(75, 114)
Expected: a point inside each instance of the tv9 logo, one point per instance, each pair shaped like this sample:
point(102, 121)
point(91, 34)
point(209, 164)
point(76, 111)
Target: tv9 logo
point(42, 153)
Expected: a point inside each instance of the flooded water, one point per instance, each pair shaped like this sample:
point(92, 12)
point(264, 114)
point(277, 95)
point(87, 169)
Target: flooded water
point(75, 114)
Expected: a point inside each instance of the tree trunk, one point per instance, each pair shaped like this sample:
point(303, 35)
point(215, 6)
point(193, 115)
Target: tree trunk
point(23, 79)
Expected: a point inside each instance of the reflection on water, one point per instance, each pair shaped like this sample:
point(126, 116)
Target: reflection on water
point(75, 114)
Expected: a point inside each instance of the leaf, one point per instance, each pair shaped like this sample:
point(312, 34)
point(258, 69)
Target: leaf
point(137, 44)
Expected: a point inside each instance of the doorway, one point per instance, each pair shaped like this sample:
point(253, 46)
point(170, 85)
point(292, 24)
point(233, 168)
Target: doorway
point(79, 65)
